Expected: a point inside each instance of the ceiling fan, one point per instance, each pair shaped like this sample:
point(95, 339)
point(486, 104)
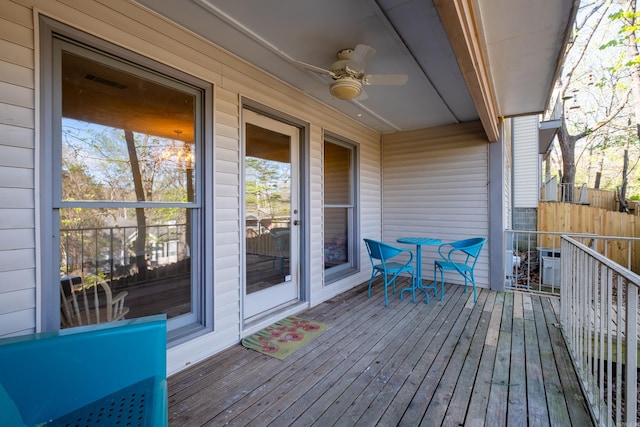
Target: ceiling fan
point(348, 73)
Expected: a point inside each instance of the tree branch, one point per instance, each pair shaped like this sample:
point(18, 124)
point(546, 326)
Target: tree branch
point(611, 116)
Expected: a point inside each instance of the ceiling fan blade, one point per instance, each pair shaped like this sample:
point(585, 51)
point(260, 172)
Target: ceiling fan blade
point(360, 57)
point(315, 69)
point(385, 79)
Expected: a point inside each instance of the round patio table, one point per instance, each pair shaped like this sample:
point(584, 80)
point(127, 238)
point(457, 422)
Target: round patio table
point(419, 242)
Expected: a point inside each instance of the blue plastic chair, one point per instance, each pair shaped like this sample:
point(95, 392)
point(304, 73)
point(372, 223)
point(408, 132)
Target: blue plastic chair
point(105, 374)
point(380, 255)
point(460, 256)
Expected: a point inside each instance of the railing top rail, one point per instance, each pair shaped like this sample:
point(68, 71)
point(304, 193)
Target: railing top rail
point(595, 236)
point(558, 233)
point(622, 271)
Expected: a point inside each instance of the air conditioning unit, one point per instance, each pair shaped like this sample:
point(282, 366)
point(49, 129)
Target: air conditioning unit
point(550, 271)
point(511, 267)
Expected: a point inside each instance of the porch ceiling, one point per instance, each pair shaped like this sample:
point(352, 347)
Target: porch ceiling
point(465, 60)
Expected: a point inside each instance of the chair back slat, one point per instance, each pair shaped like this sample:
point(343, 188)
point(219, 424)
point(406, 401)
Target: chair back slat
point(452, 255)
point(90, 301)
point(471, 247)
point(380, 255)
point(381, 251)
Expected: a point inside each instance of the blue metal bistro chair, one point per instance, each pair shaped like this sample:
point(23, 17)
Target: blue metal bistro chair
point(460, 256)
point(380, 255)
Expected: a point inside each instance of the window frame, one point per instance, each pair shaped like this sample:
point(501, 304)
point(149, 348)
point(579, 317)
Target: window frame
point(333, 274)
point(49, 179)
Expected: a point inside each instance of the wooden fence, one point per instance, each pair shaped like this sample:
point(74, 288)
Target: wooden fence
point(601, 198)
point(572, 218)
point(582, 195)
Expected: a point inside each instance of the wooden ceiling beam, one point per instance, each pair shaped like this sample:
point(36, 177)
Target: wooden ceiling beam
point(459, 21)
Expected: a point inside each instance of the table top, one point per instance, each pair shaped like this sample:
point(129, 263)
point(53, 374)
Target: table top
point(419, 241)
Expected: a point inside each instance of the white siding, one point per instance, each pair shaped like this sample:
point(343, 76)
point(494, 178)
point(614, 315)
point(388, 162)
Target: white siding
point(124, 23)
point(435, 179)
point(369, 205)
point(17, 204)
point(435, 185)
point(525, 162)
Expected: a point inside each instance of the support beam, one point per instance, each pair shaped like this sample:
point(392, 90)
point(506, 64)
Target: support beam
point(459, 21)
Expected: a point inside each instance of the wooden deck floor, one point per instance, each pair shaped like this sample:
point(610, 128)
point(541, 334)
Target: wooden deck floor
point(501, 361)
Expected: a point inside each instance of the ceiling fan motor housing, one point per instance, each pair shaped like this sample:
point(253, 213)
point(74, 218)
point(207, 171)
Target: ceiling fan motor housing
point(340, 68)
point(346, 88)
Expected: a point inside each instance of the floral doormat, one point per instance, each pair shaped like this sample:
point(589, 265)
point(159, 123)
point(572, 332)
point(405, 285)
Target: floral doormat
point(284, 337)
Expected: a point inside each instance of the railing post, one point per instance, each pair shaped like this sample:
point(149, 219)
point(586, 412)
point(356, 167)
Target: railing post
point(631, 397)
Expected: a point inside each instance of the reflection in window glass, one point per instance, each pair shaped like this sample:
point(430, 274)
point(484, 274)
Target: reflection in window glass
point(339, 217)
point(127, 196)
point(267, 207)
point(152, 263)
point(97, 164)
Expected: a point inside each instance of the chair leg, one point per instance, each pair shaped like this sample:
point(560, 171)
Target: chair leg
point(441, 284)
point(473, 282)
point(386, 298)
point(373, 275)
point(426, 293)
point(435, 280)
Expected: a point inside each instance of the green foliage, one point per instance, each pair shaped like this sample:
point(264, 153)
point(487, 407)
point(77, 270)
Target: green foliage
point(265, 186)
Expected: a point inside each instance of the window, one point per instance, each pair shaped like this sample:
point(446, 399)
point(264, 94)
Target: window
point(340, 258)
point(127, 161)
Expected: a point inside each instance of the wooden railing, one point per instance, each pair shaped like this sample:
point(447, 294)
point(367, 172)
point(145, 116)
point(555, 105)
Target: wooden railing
point(599, 318)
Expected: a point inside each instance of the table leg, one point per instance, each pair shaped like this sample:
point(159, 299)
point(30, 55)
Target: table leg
point(418, 279)
point(419, 286)
point(418, 276)
point(419, 266)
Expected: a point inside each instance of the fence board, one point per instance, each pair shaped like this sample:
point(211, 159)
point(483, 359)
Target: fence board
point(573, 218)
point(604, 199)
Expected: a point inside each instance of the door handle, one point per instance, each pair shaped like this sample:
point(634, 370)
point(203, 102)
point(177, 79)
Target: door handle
point(296, 222)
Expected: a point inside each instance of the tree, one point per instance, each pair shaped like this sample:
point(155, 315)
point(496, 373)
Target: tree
point(266, 182)
point(628, 15)
point(577, 74)
point(141, 239)
point(100, 163)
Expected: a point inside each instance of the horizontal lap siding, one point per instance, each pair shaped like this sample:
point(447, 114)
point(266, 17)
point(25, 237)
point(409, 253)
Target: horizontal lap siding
point(226, 281)
point(525, 162)
point(17, 183)
point(369, 206)
point(435, 184)
point(126, 24)
point(316, 251)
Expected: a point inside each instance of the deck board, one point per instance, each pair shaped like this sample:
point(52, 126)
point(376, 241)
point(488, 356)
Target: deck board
point(499, 361)
point(460, 401)
point(576, 403)
point(499, 390)
point(517, 402)
point(553, 388)
point(538, 413)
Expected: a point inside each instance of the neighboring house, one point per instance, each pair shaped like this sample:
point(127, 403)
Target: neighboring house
point(526, 171)
point(235, 168)
point(532, 141)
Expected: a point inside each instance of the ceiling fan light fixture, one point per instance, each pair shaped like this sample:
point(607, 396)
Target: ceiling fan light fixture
point(346, 89)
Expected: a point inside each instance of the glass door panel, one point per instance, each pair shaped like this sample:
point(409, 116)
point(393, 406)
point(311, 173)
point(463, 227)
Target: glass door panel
point(271, 232)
